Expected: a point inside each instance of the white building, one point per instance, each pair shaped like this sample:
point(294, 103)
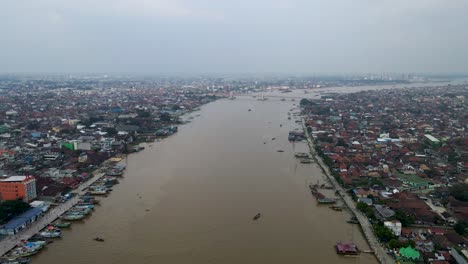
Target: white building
point(394, 225)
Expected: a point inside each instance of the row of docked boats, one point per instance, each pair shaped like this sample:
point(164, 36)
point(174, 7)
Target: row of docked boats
point(24, 250)
point(84, 207)
point(321, 199)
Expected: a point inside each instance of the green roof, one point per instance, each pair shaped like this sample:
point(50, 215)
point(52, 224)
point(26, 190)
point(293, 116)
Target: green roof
point(409, 253)
point(412, 178)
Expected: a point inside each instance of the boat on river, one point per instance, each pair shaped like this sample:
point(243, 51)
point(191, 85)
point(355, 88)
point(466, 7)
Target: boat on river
point(257, 216)
point(306, 161)
point(301, 155)
point(73, 217)
point(50, 234)
point(347, 249)
point(337, 208)
point(61, 224)
point(15, 260)
point(326, 201)
point(27, 248)
point(98, 239)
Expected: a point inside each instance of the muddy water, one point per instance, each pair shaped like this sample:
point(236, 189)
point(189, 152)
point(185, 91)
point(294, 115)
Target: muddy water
point(191, 197)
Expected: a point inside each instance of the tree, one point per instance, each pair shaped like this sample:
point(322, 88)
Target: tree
point(111, 131)
point(404, 218)
point(143, 113)
point(341, 143)
point(383, 233)
point(461, 228)
point(10, 209)
point(366, 209)
point(395, 243)
point(305, 102)
point(166, 117)
point(460, 191)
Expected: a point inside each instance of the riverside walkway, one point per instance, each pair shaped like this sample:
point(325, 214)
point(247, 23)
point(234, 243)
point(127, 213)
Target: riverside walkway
point(11, 241)
point(366, 227)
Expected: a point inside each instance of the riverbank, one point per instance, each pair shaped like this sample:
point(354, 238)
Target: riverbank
point(59, 210)
point(366, 227)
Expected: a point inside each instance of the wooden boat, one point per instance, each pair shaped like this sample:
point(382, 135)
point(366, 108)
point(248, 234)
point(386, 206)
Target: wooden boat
point(336, 208)
point(73, 217)
point(347, 249)
point(301, 155)
point(15, 260)
point(257, 216)
point(326, 201)
point(98, 239)
point(50, 234)
point(62, 224)
point(280, 150)
point(306, 161)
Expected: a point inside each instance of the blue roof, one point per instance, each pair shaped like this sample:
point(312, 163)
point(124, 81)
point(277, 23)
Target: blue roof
point(22, 218)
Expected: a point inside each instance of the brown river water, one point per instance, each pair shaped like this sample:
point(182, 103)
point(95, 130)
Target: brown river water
point(190, 198)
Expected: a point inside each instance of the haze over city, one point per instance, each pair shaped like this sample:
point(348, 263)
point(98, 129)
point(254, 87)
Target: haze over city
point(265, 36)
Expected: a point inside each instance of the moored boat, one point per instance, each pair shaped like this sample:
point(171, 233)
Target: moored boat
point(50, 234)
point(301, 155)
point(347, 249)
point(61, 224)
point(27, 248)
point(326, 201)
point(15, 260)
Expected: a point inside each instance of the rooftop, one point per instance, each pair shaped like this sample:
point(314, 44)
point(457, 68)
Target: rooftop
point(14, 179)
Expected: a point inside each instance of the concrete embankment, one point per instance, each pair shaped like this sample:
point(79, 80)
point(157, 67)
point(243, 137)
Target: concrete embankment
point(366, 227)
point(11, 241)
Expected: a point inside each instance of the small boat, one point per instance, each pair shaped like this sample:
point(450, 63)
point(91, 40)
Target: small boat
point(15, 260)
point(273, 138)
point(326, 201)
point(62, 224)
point(306, 161)
point(73, 217)
point(280, 150)
point(257, 216)
point(301, 155)
point(336, 208)
point(352, 221)
point(98, 239)
point(50, 234)
point(250, 109)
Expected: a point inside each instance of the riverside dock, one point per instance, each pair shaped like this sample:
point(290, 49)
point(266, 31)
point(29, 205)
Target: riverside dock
point(10, 242)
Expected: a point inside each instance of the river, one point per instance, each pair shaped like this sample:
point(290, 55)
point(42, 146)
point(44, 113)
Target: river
point(190, 198)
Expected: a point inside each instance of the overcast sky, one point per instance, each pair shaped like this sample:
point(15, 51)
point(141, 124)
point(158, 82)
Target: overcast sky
point(234, 36)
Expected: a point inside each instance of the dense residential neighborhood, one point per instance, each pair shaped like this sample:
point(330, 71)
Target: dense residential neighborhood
point(403, 156)
point(55, 134)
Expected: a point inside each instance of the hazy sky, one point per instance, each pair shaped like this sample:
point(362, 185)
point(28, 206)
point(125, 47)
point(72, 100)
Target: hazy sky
point(234, 36)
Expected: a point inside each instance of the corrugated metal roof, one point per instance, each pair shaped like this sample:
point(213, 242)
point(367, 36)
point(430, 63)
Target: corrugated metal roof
point(22, 218)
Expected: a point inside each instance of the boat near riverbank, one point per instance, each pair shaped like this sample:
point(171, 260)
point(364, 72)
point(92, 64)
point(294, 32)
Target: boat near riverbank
point(321, 198)
point(27, 248)
point(348, 249)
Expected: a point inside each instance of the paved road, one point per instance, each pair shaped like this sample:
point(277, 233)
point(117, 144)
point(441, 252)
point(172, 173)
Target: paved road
point(11, 241)
point(366, 227)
